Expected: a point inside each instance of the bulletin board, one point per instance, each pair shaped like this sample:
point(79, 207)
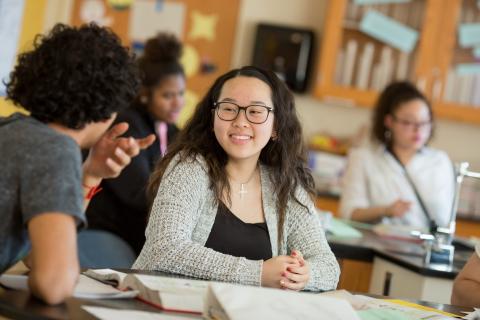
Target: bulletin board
point(207, 29)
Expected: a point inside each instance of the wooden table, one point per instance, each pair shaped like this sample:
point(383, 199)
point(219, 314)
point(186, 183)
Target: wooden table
point(21, 305)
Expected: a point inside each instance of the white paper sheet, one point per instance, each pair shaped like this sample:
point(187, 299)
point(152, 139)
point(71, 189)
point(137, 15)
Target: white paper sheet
point(146, 21)
point(86, 288)
point(474, 315)
point(115, 314)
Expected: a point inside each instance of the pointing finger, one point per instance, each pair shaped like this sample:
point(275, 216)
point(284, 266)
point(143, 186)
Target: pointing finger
point(117, 130)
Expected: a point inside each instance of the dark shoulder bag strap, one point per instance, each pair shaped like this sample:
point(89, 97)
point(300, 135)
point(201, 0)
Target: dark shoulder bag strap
point(432, 224)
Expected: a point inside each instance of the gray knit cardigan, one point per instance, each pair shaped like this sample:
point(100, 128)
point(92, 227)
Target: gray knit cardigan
point(182, 217)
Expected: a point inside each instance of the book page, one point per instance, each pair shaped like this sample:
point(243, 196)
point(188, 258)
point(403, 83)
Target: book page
point(175, 294)
point(107, 314)
point(390, 308)
point(106, 275)
point(165, 284)
point(88, 288)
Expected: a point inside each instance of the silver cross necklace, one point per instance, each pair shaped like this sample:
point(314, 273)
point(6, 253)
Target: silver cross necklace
point(243, 186)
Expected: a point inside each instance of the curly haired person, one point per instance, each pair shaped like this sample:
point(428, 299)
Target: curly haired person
point(73, 82)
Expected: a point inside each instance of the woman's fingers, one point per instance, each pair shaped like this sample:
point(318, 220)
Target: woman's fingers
point(286, 283)
point(295, 277)
point(298, 255)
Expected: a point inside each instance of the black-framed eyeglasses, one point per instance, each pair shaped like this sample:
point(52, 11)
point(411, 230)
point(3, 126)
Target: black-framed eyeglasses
point(228, 111)
point(413, 125)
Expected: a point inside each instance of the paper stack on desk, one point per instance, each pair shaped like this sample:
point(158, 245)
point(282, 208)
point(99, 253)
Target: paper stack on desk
point(234, 302)
point(369, 308)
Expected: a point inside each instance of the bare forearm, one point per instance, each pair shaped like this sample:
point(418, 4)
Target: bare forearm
point(369, 214)
point(54, 260)
point(53, 287)
point(466, 293)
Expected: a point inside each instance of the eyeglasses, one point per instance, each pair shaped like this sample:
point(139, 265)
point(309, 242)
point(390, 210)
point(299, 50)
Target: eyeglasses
point(229, 111)
point(410, 125)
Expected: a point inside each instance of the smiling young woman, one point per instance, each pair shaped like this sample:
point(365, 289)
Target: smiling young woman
point(233, 197)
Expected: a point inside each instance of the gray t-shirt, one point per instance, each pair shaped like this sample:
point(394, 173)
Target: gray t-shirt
point(40, 172)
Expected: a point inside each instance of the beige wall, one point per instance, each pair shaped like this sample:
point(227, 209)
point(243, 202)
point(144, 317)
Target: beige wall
point(461, 141)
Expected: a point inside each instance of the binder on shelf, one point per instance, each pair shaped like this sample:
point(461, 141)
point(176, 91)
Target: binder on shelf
point(376, 76)
point(476, 93)
point(364, 66)
point(386, 69)
point(349, 65)
point(465, 93)
point(402, 67)
point(449, 89)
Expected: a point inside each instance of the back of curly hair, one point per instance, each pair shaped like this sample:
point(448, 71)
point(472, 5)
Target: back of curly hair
point(74, 76)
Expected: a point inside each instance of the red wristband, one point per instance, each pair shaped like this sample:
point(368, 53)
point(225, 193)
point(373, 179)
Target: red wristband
point(92, 191)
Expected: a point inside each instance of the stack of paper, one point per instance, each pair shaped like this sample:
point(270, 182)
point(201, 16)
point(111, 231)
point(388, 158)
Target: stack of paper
point(227, 301)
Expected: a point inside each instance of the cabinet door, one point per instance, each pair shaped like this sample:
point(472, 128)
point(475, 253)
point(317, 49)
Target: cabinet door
point(455, 79)
point(355, 66)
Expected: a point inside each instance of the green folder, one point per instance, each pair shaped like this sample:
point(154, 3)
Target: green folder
point(382, 314)
point(340, 228)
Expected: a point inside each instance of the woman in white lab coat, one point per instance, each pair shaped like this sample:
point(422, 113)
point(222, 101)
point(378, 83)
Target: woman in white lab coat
point(398, 179)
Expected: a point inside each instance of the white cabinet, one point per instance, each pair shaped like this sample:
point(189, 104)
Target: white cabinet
point(396, 281)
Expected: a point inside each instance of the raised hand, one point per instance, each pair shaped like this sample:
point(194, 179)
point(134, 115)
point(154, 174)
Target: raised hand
point(112, 153)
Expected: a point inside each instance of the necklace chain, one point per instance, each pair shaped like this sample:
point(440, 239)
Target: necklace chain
point(243, 189)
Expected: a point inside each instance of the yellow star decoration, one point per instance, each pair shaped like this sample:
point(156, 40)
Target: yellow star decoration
point(190, 60)
point(203, 26)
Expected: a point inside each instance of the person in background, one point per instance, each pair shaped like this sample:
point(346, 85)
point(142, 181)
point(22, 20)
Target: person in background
point(233, 197)
point(466, 287)
point(398, 179)
point(73, 82)
point(121, 209)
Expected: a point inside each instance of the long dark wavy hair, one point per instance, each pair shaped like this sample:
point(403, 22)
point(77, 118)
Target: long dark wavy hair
point(286, 154)
point(391, 98)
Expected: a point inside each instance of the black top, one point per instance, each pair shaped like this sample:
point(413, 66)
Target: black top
point(232, 236)
point(122, 207)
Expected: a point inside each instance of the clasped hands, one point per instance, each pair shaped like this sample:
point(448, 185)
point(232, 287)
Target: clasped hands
point(112, 153)
point(287, 272)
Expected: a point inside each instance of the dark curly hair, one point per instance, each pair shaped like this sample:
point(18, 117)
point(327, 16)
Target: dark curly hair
point(391, 98)
point(74, 76)
point(286, 154)
point(160, 59)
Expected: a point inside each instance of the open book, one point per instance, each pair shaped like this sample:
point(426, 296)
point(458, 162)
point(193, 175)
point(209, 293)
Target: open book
point(397, 232)
point(166, 293)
